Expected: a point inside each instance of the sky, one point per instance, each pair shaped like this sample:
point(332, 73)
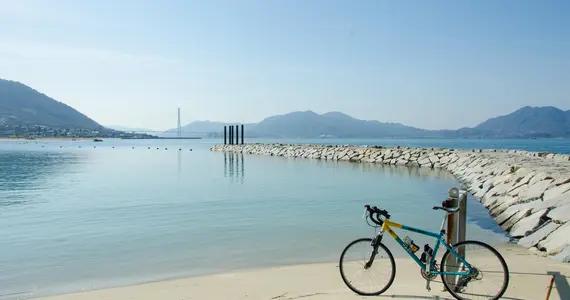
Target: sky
point(430, 64)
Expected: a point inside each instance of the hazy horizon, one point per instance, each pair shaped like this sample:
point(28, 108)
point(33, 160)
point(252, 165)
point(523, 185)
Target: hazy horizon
point(123, 127)
point(431, 65)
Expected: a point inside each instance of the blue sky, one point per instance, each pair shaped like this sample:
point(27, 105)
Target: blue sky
point(430, 64)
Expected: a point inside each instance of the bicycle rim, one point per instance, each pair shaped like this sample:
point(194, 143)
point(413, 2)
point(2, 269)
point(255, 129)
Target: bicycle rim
point(489, 278)
point(374, 280)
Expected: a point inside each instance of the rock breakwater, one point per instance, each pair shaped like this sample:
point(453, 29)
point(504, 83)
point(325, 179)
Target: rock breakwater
point(527, 193)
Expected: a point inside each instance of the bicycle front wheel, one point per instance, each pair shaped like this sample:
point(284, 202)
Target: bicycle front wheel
point(489, 276)
point(363, 275)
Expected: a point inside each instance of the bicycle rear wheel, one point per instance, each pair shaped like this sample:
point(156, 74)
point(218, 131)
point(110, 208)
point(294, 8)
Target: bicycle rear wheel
point(362, 275)
point(488, 269)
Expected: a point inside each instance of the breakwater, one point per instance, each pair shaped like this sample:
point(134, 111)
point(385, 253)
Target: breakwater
point(527, 193)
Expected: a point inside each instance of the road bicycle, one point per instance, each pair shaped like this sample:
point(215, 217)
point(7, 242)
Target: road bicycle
point(458, 271)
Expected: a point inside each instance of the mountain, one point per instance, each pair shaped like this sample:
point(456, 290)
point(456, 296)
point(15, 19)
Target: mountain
point(308, 124)
point(527, 122)
point(22, 105)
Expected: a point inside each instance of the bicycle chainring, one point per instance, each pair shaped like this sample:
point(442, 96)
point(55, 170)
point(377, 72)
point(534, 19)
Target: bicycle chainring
point(430, 276)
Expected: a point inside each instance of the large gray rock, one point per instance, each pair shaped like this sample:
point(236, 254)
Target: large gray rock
point(537, 236)
point(517, 191)
point(538, 177)
point(550, 203)
point(515, 219)
point(503, 203)
point(535, 190)
point(556, 240)
point(424, 161)
point(525, 180)
point(561, 179)
point(527, 224)
point(556, 191)
point(500, 189)
point(445, 159)
point(560, 214)
point(564, 254)
point(509, 212)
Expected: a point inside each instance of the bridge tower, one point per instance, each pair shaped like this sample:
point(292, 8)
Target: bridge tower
point(179, 127)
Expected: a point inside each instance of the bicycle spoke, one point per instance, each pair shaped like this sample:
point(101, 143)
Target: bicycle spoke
point(489, 275)
point(366, 281)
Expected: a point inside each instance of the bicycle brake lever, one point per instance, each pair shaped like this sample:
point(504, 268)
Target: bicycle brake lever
point(364, 214)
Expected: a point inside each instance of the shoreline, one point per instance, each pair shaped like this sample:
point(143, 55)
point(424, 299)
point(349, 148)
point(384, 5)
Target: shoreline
point(529, 274)
point(54, 139)
point(526, 193)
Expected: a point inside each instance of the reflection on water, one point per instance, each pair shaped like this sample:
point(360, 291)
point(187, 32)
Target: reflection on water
point(234, 166)
point(25, 174)
point(116, 215)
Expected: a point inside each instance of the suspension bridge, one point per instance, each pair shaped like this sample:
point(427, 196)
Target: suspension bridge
point(179, 133)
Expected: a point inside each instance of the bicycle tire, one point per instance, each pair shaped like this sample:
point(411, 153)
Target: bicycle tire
point(392, 263)
point(493, 251)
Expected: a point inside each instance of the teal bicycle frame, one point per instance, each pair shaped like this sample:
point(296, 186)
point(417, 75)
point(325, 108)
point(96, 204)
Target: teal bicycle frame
point(439, 240)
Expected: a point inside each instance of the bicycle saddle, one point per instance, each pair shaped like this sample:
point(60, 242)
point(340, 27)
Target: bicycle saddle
point(449, 210)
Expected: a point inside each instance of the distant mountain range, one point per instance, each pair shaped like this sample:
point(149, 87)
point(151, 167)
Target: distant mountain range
point(526, 122)
point(25, 112)
point(21, 105)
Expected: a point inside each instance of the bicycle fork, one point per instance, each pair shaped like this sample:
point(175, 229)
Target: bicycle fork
point(375, 243)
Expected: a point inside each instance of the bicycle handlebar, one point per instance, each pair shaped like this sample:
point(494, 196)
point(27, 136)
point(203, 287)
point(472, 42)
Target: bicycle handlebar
point(379, 212)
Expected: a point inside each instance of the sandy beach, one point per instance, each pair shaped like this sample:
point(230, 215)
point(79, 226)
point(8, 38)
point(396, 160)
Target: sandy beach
point(529, 279)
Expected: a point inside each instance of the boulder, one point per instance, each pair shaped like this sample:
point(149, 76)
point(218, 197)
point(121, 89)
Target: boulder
point(538, 177)
point(527, 224)
point(561, 179)
point(509, 212)
point(556, 240)
point(537, 236)
point(525, 180)
point(516, 191)
point(556, 191)
point(413, 163)
point(502, 204)
point(564, 254)
point(500, 189)
point(515, 218)
point(401, 162)
point(554, 202)
point(560, 214)
point(424, 161)
point(535, 190)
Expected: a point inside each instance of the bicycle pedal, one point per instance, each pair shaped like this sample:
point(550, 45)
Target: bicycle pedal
point(427, 286)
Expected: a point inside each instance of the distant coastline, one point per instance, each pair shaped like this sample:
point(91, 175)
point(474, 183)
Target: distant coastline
point(54, 139)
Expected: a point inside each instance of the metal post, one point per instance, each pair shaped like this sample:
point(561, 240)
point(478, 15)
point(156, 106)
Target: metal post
point(242, 134)
point(237, 135)
point(225, 136)
point(452, 262)
point(231, 135)
point(462, 220)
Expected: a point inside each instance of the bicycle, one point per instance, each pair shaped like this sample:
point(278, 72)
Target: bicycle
point(456, 279)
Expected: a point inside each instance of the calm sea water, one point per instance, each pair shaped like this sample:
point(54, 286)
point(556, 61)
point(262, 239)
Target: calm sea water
point(82, 215)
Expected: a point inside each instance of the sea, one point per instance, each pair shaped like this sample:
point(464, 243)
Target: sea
point(82, 215)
